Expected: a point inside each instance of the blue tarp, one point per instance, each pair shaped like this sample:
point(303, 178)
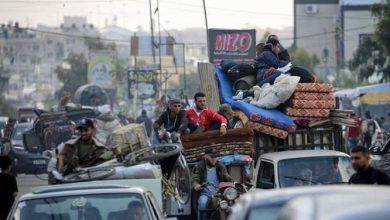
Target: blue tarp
point(272, 118)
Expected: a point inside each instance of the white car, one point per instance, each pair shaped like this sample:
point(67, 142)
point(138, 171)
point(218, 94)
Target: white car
point(302, 168)
point(268, 205)
point(370, 202)
point(83, 201)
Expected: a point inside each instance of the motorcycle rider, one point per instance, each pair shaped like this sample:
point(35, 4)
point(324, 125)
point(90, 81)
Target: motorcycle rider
point(174, 120)
point(84, 151)
point(206, 176)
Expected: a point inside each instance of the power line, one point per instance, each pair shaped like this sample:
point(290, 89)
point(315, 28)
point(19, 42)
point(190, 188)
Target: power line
point(197, 43)
point(176, 4)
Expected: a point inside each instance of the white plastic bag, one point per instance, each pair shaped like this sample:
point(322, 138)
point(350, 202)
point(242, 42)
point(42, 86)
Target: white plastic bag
point(271, 96)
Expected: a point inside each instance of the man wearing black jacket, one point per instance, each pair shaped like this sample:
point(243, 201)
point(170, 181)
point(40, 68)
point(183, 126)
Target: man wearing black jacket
point(365, 174)
point(174, 119)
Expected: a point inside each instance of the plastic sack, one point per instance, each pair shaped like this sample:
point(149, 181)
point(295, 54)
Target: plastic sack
point(271, 96)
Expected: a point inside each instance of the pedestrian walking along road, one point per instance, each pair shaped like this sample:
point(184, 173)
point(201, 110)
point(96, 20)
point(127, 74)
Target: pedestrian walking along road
point(8, 187)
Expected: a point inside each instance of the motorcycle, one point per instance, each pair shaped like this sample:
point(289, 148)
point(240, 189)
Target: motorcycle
point(224, 199)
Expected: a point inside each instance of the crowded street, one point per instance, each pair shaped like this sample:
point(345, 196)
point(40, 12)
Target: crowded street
point(194, 110)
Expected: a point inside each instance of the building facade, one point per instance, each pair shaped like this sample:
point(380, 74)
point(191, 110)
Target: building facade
point(332, 30)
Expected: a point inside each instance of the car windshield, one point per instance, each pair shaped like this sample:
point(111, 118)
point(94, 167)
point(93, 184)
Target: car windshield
point(19, 130)
point(265, 212)
point(84, 207)
point(314, 171)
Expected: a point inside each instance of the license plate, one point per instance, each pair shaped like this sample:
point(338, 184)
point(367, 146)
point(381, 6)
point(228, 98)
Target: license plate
point(39, 162)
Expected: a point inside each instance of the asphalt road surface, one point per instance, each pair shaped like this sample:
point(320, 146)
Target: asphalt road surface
point(26, 183)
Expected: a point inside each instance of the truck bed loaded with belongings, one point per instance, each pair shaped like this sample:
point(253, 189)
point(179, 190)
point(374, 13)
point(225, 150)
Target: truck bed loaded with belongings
point(134, 158)
point(287, 114)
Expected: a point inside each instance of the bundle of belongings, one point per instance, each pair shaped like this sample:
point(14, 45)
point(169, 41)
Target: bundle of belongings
point(311, 101)
point(262, 87)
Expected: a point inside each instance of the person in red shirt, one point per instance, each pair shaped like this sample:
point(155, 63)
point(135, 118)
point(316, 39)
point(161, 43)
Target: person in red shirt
point(201, 118)
point(354, 133)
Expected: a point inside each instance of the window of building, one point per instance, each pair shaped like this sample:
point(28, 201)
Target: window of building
point(49, 41)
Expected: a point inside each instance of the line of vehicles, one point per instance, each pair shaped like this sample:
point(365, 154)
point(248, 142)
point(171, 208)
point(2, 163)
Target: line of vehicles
point(154, 182)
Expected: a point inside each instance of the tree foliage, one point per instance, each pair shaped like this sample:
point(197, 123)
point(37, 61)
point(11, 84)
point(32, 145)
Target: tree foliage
point(192, 84)
point(73, 74)
point(301, 57)
point(382, 31)
point(6, 108)
point(368, 59)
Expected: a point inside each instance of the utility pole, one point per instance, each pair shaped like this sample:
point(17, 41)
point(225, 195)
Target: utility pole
point(152, 31)
point(338, 55)
point(207, 28)
point(159, 42)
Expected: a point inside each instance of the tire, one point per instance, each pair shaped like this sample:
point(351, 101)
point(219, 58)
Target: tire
point(162, 151)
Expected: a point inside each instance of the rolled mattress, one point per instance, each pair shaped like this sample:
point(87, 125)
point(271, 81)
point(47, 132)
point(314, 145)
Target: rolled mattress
point(268, 117)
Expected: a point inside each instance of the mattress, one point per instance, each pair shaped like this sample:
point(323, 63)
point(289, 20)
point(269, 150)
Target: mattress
point(267, 130)
point(298, 112)
point(312, 104)
point(273, 118)
point(314, 87)
point(312, 96)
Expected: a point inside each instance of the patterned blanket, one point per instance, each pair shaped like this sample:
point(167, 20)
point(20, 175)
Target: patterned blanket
point(314, 87)
point(312, 96)
point(321, 113)
point(267, 129)
point(312, 104)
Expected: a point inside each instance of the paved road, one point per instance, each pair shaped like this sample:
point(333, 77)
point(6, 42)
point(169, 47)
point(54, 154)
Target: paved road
point(27, 182)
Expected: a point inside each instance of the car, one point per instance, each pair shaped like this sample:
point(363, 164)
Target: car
point(268, 204)
point(25, 159)
point(87, 201)
point(302, 167)
point(368, 203)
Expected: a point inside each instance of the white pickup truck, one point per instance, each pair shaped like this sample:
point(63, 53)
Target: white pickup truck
point(302, 167)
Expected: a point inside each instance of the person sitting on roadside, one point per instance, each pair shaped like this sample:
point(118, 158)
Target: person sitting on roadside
point(174, 120)
point(84, 151)
point(206, 177)
point(268, 62)
point(201, 118)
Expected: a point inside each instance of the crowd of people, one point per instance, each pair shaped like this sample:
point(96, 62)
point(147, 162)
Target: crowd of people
point(194, 119)
point(363, 132)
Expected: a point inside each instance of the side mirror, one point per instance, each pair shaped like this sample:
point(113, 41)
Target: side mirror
point(4, 139)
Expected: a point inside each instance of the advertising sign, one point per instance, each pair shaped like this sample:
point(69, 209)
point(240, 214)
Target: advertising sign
point(101, 70)
point(237, 45)
point(145, 82)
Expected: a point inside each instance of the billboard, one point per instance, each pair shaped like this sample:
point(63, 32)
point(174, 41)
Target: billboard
point(101, 69)
point(238, 45)
point(144, 82)
point(143, 46)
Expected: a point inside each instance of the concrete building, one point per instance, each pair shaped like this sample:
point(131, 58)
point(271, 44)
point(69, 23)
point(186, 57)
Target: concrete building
point(357, 23)
point(331, 29)
point(30, 55)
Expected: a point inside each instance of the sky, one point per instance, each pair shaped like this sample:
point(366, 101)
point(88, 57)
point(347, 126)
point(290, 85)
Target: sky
point(132, 14)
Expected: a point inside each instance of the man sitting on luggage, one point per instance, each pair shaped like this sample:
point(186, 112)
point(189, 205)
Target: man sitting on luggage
point(174, 120)
point(206, 176)
point(227, 112)
point(84, 151)
point(201, 118)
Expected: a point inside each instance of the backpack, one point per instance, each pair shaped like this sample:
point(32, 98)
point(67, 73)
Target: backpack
point(240, 70)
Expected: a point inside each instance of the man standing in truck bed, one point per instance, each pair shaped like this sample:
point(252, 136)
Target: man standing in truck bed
point(201, 118)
